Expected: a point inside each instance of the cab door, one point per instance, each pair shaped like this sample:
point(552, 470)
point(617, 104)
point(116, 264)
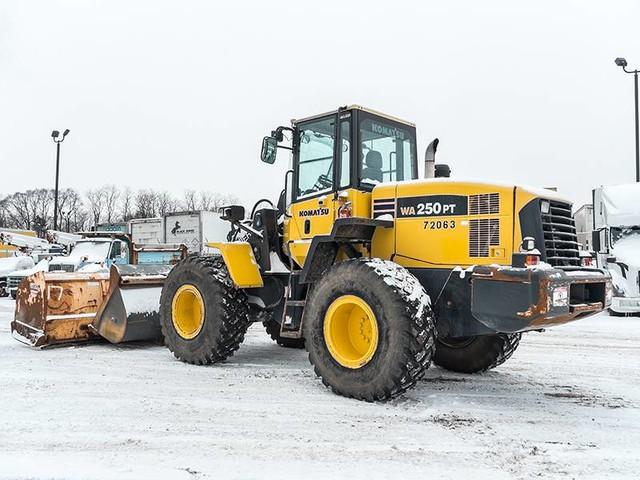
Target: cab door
point(313, 209)
point(313, 179)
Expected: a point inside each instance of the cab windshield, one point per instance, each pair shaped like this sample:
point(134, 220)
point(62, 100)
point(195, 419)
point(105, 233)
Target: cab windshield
point(388, 151)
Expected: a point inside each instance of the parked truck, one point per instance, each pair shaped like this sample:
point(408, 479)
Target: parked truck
point(614, 232)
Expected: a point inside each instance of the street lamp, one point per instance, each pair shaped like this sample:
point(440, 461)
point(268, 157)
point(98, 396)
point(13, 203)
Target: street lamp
point(621, 62)
point(57, 140)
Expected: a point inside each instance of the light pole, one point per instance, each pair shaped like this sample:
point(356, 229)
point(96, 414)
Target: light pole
point(621, 62)
point(55, 135)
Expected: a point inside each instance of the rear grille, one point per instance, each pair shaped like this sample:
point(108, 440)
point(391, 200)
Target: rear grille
point(484, 204)
point(560, 239)
point(483, 233)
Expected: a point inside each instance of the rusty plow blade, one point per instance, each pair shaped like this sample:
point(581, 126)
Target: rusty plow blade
point(57, 308)
point(131, 310)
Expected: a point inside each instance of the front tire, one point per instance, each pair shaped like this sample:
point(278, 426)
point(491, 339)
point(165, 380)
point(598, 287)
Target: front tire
point(369, 329)
point(203, 316)
point(477, 353)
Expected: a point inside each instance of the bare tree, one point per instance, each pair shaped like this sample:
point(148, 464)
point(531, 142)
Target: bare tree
point(190, 200)
point(166, 203)
point(126, 207)
point(146, 204)
point(4, 213)
point(205, 200)
point(96, 201)
point(70, 208)
point(111, 196)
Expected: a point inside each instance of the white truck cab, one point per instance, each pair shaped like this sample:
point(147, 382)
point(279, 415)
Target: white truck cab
point(616, 242)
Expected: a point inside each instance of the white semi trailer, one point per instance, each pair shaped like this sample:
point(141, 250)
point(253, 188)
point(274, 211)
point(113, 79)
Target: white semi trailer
point(616, 242)
point(195, 229)
point(147, 230)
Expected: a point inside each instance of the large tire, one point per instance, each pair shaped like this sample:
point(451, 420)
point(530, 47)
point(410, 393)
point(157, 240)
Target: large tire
point(475, 354)
point(272, 327)
point(405, 332)
point(225, 317)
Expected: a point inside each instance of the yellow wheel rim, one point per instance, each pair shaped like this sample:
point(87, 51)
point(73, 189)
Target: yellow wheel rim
point(351, 331)
point(187, 311)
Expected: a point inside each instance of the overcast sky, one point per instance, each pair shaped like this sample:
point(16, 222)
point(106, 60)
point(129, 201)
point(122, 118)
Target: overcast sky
point(178, 94)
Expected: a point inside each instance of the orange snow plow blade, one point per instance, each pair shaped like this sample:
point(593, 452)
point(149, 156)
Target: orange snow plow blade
point(131, 309)
point(57, 308)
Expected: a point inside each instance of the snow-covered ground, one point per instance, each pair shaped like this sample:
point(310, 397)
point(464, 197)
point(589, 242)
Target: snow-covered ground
point(567, 405)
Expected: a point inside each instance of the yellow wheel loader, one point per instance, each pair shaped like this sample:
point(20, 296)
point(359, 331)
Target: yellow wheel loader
point(376, 272)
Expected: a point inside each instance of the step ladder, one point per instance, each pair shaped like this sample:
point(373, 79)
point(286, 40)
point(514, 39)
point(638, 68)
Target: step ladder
point(291, 322)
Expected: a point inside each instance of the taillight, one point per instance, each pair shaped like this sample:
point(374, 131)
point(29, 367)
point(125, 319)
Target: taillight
point(345, 210)
point(532, 260)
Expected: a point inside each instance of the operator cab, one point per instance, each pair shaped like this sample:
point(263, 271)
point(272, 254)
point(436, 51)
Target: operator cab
point(351, 147)
point(338, 158)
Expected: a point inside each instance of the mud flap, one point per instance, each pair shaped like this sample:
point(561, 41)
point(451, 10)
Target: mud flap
point(131, 310)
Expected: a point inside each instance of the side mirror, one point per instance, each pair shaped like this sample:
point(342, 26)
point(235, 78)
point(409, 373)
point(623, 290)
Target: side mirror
point(601, 240)
point(269, 150)
point(232, 213)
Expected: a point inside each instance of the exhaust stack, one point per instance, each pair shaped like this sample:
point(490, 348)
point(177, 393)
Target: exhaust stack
point(430, 159)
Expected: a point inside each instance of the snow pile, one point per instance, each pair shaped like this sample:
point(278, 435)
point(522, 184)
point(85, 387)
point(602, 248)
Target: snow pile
point(11, 264)
point(621, 204)
point(627, 253)
point(95, 252)
point(141, 300)
point(41, 266)
point(627, 249)
point(93, 268)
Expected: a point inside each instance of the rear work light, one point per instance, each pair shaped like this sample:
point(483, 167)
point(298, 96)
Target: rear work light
point(528, 247)
point(532, 260)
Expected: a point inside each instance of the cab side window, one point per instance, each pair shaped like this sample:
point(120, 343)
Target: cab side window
point(119, 252)
point(315, 166)
point(387, 152)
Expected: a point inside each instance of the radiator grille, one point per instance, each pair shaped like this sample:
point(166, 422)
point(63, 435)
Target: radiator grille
point(560, 239)
point(483, 233)
point(14, 282)
point(484, 204)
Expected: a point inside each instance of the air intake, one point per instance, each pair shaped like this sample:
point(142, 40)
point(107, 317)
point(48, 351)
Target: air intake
point(484, 204)
point(483, 233)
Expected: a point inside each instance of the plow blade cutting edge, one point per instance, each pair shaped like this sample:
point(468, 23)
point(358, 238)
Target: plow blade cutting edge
point(131, 309)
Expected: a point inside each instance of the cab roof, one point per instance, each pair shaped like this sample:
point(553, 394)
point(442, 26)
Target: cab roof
point(295, 121)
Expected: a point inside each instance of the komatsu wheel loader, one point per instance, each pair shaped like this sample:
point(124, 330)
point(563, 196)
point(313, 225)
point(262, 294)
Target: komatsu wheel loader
point(376, 272)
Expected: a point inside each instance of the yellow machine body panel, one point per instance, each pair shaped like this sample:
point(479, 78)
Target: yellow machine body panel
point(438, 223)
point(445, 224)
point(241, 263)
point(309, 218)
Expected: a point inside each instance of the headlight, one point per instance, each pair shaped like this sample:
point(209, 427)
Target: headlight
point(608, 296)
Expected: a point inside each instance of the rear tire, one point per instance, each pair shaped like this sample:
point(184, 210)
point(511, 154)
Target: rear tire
point(475, 354)
point(224, 319)
point(400, 340)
